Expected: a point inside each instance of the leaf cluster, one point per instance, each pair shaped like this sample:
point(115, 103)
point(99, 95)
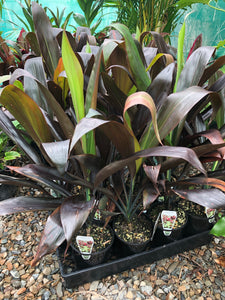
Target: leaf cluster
point(90, 116)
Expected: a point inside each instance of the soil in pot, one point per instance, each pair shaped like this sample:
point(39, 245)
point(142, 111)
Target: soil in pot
point(197, 219)
point(178, 227)
point(135, 235)
point(103, 238)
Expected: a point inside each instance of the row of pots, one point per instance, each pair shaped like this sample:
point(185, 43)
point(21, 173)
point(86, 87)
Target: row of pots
point(87, 246)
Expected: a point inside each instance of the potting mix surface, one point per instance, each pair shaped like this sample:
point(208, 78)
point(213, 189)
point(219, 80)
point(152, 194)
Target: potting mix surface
point(196, 274)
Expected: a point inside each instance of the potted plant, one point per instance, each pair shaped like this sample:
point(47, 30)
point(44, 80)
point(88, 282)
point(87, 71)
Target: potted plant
point(85, 129)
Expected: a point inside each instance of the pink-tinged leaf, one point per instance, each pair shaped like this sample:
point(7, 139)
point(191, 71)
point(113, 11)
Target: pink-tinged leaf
point(197, 43)
point(152, 173)
point(145, 99)
point(149, 196)
point(176, 108)
point(52, 237)
point(73, 213)
point(215, 138)
point(23, 204)
point(213, 182)
point(27, 112)
point(199, 150)
point(211, 198)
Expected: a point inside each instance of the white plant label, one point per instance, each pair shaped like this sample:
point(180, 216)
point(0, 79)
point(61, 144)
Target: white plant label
point(168, 218)
point(85, 244)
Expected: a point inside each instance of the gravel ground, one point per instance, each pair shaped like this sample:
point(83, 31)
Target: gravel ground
point(196, 274)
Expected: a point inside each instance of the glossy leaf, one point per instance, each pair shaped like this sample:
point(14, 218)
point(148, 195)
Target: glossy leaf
point(22, 204)
point(64, 121)
point(73, 213)
point(211, 198)
point(75, 77)
point(144, 99)
point(115, 131)
point(177, 106)
point(36, 173)
point(194, 68)
point(46, 39)
point(52, 237)
point(199, 150)
point(211, 70)
point(7, 126)
point(118, 59)
point(58, 152)
point(35, 67)
point(180, 54)
point(165, 151)
point(219, 228)
point(27, 112)
point(149, 196)
point(141, 78)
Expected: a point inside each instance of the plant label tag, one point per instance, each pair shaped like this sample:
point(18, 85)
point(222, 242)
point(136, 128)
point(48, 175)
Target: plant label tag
point(168, 218)
point(210, 213)
point(85, 244)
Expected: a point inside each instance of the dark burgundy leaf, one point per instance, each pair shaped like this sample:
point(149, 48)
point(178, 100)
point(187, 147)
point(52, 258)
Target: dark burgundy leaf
point(211, 198)
point(149, 196)
point(22, 204)
point(73, 213)
point(52, 237)
point(166, 151)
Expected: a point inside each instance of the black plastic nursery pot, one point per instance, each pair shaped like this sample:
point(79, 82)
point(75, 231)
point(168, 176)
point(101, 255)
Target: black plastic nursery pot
point(74, 275)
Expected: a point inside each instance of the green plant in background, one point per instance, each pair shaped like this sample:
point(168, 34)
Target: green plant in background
point(91, 9)
point(160, 16)
point(59, 20)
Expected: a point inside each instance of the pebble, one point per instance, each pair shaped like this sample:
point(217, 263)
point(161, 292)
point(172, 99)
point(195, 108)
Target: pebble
point(193, 274)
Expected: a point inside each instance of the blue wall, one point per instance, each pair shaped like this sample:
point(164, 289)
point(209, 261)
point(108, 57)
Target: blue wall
point(71, 5)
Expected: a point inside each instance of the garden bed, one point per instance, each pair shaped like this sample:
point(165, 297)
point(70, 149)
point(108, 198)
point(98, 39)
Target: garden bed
point(120, 261)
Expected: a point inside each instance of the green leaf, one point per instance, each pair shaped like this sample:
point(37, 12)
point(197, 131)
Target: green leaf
point(11, 155)
point(141, 78)
point(80, 19)
point(76, 81)
point(180, 54)
point(219, 228)
point(27, 112)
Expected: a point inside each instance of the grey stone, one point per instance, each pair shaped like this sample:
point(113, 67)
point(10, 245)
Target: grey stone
point(16, 283)
point(94, 285)
point(173, 266)
point(15, 274)
point(146, 289)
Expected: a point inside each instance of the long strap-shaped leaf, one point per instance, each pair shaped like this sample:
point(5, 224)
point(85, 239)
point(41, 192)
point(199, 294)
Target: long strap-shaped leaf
point(165, 151)
point(47, 41)
point(137, 67)
point(76, 81)
point(64, 121)
point(176, 107)
point(27, 112)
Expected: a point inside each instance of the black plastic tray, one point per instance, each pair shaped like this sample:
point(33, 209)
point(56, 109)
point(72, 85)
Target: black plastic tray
point(75, 276)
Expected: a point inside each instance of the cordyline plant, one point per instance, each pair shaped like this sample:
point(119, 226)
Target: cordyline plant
point(83, 115)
